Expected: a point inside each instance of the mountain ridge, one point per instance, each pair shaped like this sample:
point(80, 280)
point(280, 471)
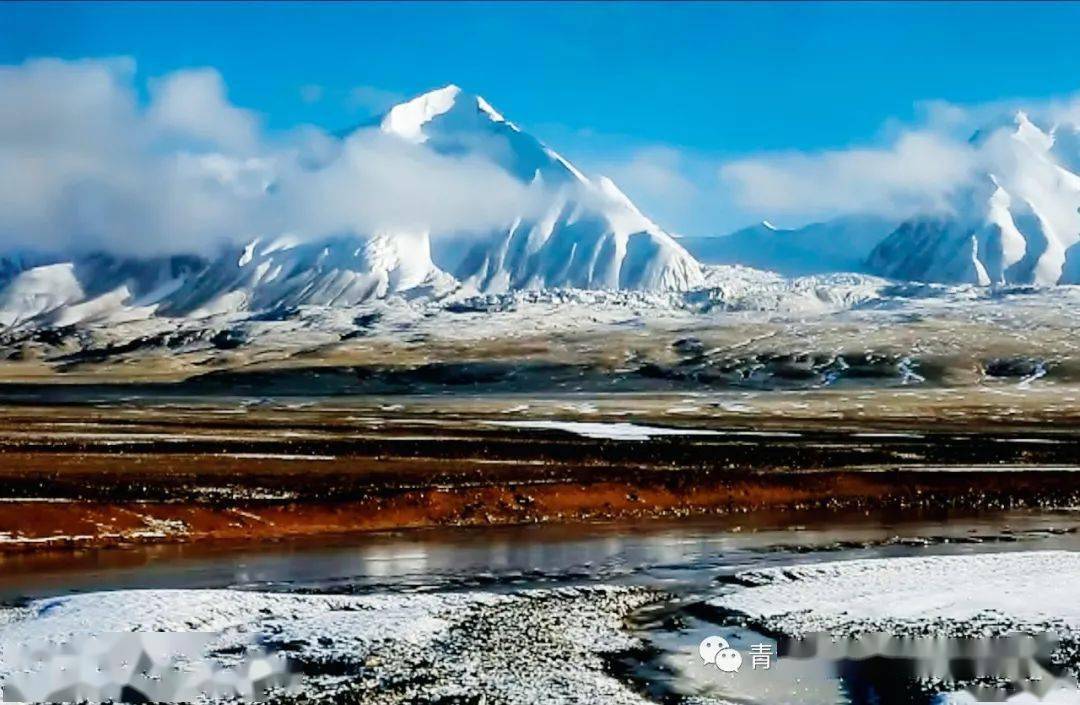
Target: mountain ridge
point(839, 245)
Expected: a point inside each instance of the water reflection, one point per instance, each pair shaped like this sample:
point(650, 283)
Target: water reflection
point(685, 555)
point(692, 561)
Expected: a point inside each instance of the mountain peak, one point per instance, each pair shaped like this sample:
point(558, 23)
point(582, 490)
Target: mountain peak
point(1031, 134)
point(1016, 124)
point(406, 119)
point(585, 234)
point(1014, 221)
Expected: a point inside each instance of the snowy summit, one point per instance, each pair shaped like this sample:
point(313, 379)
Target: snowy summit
point(586, 234)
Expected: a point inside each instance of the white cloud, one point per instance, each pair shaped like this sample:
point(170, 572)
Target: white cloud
point(193, 104)
point(379, 182)
point(1064, 110)
point(930, 165)
point(87, 167)
point(922, 167)
point(919, 171)
point(695, 193)
point(678, 189)
point(659, 170)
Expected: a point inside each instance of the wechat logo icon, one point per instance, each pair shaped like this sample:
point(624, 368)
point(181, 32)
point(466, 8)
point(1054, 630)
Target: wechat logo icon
point(716, 651)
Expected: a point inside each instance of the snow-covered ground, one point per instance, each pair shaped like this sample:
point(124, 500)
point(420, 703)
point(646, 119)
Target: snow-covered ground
point(610, 431)
point(525, 647)
point(739, 314)
point(913, 606)
point(727, 290)
point(572, 644)
point(321, 280)
point(956, 595)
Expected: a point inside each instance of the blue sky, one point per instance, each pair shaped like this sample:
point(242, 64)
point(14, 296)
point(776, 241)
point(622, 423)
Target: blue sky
point(605, 83)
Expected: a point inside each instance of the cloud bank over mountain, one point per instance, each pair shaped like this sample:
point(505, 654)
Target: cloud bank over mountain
point(917, 172)
point(98, 159)
point(914, 169)
point(88, 165)
point(183, 205)
point(907, 169)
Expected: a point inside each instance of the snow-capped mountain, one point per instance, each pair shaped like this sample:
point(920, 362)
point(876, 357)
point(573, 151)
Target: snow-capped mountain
point(588, 235)
point(582, 234)
point(285, 273)
point(839, 245)
point(1018, 223)
point(98, 286)
point(279, 274)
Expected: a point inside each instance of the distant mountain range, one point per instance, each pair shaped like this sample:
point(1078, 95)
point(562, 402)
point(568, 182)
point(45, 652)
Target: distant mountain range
point(839, 245)
point(1018, 226)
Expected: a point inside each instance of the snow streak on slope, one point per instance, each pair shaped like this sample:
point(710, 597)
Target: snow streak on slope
point(1019, 224)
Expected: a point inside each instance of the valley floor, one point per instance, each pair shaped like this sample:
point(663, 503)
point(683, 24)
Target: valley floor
point(115, 471)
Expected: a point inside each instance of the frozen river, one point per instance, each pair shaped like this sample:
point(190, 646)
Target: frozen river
point(608, 613)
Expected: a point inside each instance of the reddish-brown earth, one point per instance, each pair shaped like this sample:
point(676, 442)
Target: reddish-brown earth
point(77, 476)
